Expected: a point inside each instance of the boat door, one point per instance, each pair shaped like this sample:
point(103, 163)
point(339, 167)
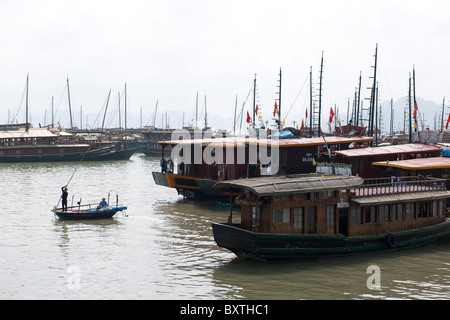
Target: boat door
point(343, 221)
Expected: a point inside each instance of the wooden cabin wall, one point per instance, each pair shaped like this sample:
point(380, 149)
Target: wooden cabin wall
point(366, 225)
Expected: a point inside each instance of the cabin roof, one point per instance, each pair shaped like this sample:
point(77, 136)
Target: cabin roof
point(401, 197)
point(417, 164)
point(31, 133)
point(386, 150)
point(291, 142)
point(298, 183)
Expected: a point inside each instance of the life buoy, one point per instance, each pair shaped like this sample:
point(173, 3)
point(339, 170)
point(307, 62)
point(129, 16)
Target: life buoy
point(391, 240)
point(57, 142)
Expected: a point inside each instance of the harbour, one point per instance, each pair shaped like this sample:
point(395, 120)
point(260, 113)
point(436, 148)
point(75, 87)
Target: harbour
point(162, 247)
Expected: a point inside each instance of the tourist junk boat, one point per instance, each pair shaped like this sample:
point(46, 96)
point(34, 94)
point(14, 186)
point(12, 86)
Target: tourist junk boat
point(88, 212)
point(43, 145)
point(313, 215)
point(196, 180)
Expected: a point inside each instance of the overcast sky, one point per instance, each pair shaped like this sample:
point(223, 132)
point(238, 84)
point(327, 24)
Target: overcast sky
point(169, 50)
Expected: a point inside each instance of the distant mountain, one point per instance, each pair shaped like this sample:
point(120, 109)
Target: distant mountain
point(429, 114)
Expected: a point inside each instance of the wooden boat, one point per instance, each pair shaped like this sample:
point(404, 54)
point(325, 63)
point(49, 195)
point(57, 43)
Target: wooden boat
point(42, 145)
point(88, 212)
point(196, 179)
point(313, 215)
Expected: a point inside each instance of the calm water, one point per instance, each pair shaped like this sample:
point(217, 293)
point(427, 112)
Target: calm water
point(163, 248)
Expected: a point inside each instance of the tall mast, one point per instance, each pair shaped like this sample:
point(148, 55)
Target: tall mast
point(409, 103)
point(310, 104)
point(320, 94)
point(279, 105)
point(106, 108)
point(26, 116)
point(442, 120)
point(359, 100)
point(414, 96)
point(125, 107)
point(392, 118)
point(196, 110)
point(372, 120)
point(53, 120)
point(206, 115)
point(254, 102)
point(70, 106)
point(120, 120)
point(234, 122)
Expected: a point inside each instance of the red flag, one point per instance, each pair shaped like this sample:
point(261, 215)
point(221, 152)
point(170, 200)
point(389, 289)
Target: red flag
point(275, 110)
point(306, 113)
point(248, 117)
point(302, 128)
point(331, 114)
point(415, 109)
point(256, 109)
point(448, 121)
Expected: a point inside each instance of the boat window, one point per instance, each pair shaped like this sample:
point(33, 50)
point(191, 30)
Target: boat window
point(326, 194)
point(298, 219)
point(409, 211)
point(277, 216)
point(383, 212)
point(423, 209)
point(281, 197)
point(394, 212)
point(311, 219)
point(282, 215)
point(370, 214)
point(286, 215)
point(298, 196)
point(434, 209)
point(356, 215)
point(399, 211)
point(330, 217)
point(342, 193)
point(310, 196)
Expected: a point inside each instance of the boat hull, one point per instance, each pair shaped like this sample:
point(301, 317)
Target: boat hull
point(265, 246)
point(88, 214)
point(192, 188)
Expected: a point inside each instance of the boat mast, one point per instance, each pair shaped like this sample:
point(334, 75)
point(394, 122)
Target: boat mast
point(409, 103)
point(254, 102)
point(414, 96)
point(442, 120)
point(70, 106)
point(310, 104)
point(125, 108)
point(206, 115)
point(372, 120)
point(235, 110)
point(279, 104)
point(359, 100)
point(26, 115)
point(106, 108)
point(320, 94)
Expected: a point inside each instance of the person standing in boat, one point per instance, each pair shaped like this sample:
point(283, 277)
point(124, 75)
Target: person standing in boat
point(102, 203)
point(64, 198)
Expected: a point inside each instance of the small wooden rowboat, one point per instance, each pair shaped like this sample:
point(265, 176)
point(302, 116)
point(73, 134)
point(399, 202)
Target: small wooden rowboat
point(90, 212)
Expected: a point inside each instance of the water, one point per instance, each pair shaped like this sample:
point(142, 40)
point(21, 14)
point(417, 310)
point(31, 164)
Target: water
point(163, 248)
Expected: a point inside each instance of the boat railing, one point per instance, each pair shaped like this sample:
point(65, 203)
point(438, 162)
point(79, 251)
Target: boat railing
point(389, 185)
point(89, 206)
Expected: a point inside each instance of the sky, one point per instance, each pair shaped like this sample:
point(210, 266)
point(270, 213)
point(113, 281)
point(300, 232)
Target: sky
point(169, 51)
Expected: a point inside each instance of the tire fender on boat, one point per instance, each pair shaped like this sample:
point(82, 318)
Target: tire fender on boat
point(391, 240)
point(57, 142)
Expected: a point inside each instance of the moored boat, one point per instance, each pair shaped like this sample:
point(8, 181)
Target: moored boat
point(313, 215)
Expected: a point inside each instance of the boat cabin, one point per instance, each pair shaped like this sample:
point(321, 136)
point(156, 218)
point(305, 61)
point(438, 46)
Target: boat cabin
point(361, 160)
point(333, 204)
